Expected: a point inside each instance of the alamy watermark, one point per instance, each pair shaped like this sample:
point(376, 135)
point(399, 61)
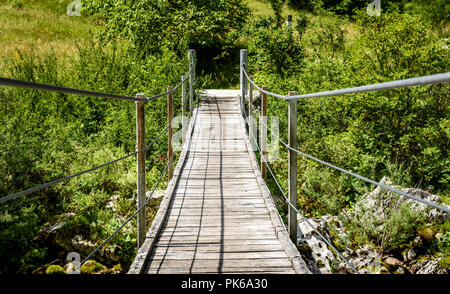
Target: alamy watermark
point(73, 9)
point(374, 8)
point(75, 261)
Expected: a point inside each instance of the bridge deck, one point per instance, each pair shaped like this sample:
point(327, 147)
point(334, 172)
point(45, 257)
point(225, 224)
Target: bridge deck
point(217, 215)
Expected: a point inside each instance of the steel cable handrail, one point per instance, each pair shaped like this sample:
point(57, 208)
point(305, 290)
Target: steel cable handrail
point(423, 80)
point(64, 179)
point(386, 187)
point(52, 88)
point(297, 211)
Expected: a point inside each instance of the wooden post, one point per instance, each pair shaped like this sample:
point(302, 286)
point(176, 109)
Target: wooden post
point(183, 110)
point(251, 122)
point(264, 134)
point(191, 55)
point(169, 122)
point(243, 65)
point(292, 169)
point(140, 145)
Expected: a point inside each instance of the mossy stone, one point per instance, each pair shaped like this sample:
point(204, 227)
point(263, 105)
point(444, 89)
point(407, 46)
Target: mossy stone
point(54, 270)
point(426, 233)
point(91, 267)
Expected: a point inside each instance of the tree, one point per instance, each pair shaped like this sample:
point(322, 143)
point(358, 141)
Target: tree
point(176, 24)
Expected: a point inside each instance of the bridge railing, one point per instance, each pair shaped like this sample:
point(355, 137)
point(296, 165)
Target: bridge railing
point(141, 147)
point(291, 98)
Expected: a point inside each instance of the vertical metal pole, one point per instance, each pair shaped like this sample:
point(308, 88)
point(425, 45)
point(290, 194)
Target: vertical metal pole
point(251, 122)
point(292, 169)
point(289, 27)
point(169, 122)
point(183, 109)
point(191, 55)
point(264, 134)
point(140, 145)
point(243, 65)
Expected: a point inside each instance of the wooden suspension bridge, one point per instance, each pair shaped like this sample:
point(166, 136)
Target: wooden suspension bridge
point(217, 214)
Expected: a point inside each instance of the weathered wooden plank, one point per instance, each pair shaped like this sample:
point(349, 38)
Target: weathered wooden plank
point(223, 270)
point(189, 255)
point(228, 263)
point(193, 241)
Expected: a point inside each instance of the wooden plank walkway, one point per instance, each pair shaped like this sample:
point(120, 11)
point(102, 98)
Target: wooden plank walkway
point(217, 215)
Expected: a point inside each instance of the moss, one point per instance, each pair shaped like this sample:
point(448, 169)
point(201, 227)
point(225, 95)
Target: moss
point(54, 270)
point(91, 267)
point(117, 269)
point(305, 251)
point(426, 233)
point(39, 271)
point(444, 263)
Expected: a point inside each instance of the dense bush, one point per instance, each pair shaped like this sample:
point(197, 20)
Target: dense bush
point(177, 25)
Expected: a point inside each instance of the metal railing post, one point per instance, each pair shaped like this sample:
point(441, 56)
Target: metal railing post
point(170, 131)
point(243, 65)
point(183, 109)
point(292, 169)
point(140, 145)
point(264, 134)
point(251, 120)
point(191, 55)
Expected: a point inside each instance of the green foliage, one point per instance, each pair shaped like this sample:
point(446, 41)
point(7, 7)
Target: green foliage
point(277, 7)
point(397, 225)
point(177, 25)
point(274, 50)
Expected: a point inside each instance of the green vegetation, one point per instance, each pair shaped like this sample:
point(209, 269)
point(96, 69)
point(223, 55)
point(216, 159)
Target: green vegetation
point(128, 47)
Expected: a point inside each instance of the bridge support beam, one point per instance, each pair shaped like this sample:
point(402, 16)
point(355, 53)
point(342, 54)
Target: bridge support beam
point(292, 169)
point(140, 145)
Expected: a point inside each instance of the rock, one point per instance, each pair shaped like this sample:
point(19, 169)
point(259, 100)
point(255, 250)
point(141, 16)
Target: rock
point(379, 200)
point(70, 268)
point(393, 261)
point(54, 270)
point(92, 267)
point(429, 267)
point(426, 233)
point(409, 255)
point(366, 260)
point(117, 269)
point(83, 247)
point(109, 253)
point(156, 194)
point(48, 233)
point(321, 255)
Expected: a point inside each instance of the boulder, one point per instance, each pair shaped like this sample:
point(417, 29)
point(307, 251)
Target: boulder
point(321, 255)
point(48, 233)
point(379, 200)
point(92, 267)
